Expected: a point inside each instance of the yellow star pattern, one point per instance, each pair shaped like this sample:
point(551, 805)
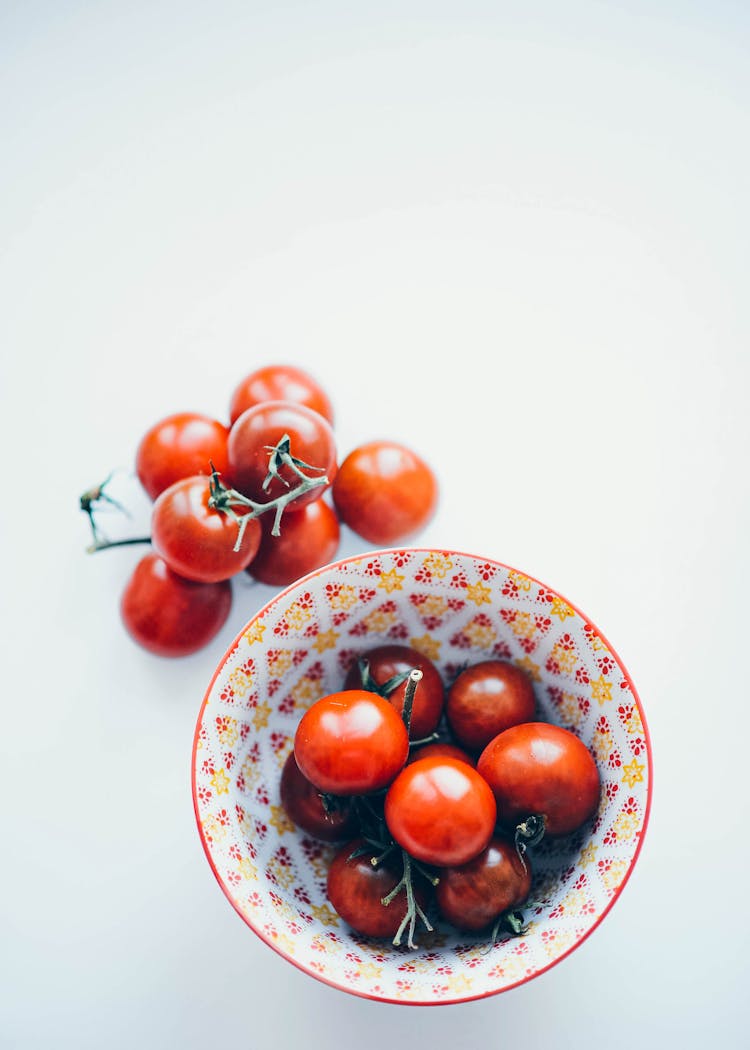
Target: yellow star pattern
point(324, 914)
point(561, 609)
point(601, 690)
point(438, 565)
point(427, 646)
point(482, 635)
point(247, 869)
point(523, 625)
point(527, 664)
point(326, 640)
point(254, 633)
point(390, 581)
point(260, 715)
point(297, 615)
point(241, 681)
point(523, 583)
point(632, 773)
point(458, 982)
point(279, 820)
point(220, 781)
point(478, 593)
point(281, 663)
point(379, 621)
point(345, 598)
point(588, 854)
point(433, 605)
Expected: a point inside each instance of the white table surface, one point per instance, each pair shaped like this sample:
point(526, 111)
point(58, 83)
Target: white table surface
point(511, 235)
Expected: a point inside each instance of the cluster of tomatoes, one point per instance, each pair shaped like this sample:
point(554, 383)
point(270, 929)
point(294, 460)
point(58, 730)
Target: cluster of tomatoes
point(417, 811)
point(247, 497)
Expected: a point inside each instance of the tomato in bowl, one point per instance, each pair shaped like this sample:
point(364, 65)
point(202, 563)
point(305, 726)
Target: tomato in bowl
point(457, 609)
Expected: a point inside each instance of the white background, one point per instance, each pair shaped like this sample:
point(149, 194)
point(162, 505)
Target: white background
point(511, 235)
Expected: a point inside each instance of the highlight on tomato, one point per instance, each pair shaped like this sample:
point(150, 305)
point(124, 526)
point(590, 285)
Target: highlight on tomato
point(542, 771)
point(441, 811)
point(351, 743)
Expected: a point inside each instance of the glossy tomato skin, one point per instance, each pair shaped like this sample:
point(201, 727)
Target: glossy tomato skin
point(179, 446)
point(442, 750)
point(487, 698)
point(171, 616)
point(280, 383)
point(351, 743)
point(303, 805)
point(543, 770)
point(262, 427)
point(355, 889)
point(384, 662)
point(441, 811)
point(197, 541)
point(472, 895)
point(385, 492)
point(309, 539)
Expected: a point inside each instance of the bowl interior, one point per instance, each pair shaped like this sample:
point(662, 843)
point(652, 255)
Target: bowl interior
point(455, 608)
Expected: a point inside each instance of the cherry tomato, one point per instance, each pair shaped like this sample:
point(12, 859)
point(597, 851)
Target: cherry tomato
point(303, 805)
point(178, 447)
point(197, 541)
point(261, 428)
point(385, 492)
point(473, 895)
point(541, 770)
point(356, 890)
point(441, 811)
point(171, 616)
point(309, 538)
point(442, 750)
point(386, 661)
point(280, 383)
point(487, 698)
point(351, 743)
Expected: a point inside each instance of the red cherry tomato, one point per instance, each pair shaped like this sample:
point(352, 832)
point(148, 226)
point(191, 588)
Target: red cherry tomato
point(487, 698)
point(473, 895)
point(197, 541)
point(441, 811)
point(439, 749)
point(171, 616)
point(356, 889)
point(261, 428)
point(280, 383)
point(178, 447)
point(351, 743)
point(385, 662)
point(303, 805)
point(385, 492)
point(309, 538)
point(541, 770)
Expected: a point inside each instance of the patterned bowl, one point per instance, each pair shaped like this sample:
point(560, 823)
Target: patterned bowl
point(454, 608)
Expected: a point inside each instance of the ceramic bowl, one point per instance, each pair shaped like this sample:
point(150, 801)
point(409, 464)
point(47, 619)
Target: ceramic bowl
point(455, 608)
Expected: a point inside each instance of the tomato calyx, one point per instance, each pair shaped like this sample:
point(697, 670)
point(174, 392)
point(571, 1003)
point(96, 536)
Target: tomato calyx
point(225, 499)
point(412, 678)
point(413, 909)
point(511, 921)
point(529, 832)
point(369, 683)
point(382, 848)
point(222, 498)
point(280, 455)
point(90, 503)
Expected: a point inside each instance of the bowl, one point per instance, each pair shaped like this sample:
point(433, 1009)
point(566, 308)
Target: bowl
point(455, 608)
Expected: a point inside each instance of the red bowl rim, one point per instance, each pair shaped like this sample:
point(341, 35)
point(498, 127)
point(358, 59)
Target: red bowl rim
point(348, 988)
